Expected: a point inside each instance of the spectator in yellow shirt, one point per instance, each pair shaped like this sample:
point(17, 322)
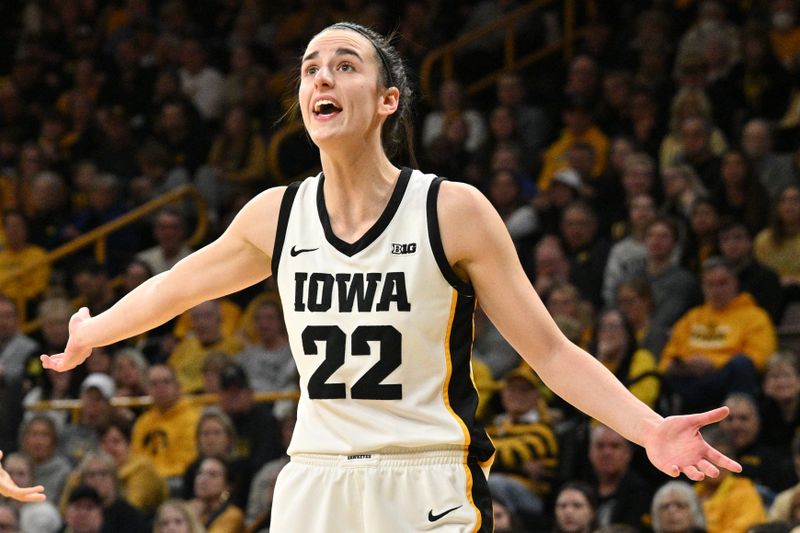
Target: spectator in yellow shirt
point(18, 256)
point(731, 503)
point(717, 348)
point(580, 128)
point(166, 432)
point(205, 337)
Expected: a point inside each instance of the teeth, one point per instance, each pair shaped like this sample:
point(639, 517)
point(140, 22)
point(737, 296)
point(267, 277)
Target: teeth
point(321, 103)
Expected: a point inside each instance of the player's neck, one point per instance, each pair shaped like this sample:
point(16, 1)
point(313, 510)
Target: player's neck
point(357, 189)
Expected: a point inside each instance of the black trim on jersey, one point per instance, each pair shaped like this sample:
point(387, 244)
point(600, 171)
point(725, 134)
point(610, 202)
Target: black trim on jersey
point(461, 390)
point(481, 497)
point(350, 249)
point(283, 221)
point(435, 237)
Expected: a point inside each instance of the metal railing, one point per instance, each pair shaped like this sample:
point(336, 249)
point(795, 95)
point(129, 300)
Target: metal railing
point(446, 54)
point(98, 238)
point(143, 402)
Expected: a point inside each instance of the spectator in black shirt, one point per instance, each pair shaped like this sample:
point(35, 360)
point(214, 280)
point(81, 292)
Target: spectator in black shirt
point(736, 245)
point(258, 436)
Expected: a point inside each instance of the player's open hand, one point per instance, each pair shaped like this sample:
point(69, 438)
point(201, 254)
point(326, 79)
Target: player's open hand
point(74, 354)
point(675, 446)
point(9, 488)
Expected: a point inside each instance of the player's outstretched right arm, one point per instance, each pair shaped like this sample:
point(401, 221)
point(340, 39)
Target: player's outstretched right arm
point(237, 259)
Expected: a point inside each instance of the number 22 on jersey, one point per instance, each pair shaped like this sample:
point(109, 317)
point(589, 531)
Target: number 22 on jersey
point(367, 387)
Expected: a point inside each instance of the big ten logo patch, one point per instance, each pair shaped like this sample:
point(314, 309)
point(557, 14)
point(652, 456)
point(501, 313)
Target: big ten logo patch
point(404, 249)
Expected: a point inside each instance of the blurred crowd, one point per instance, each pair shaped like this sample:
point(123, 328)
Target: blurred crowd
point(650, 182)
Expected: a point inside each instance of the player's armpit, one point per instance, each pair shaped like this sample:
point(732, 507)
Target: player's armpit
point(476, 242)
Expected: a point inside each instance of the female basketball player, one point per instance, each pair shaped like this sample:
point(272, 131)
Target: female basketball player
point(378, 269)
point(10, 489)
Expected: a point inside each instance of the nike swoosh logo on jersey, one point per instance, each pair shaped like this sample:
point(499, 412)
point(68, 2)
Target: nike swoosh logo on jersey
point(434, 517)
point(295, 252)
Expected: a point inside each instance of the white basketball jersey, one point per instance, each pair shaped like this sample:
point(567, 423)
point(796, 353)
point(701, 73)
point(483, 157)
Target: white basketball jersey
point(381, 329)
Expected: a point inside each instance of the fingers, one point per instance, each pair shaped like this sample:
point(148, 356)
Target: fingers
point(693, 473)
point(723, 461)
point(54, 362)
point(707, 468)
point(31, 494)
point(672, 471)
point(710, 417)
point(48, 362)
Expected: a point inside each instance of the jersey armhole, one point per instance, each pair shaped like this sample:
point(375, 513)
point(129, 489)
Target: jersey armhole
point(283, 219)
point(435, 238)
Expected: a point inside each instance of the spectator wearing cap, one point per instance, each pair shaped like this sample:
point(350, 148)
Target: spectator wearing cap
point(579, 127)
point(98, 470)
point(166, 433)
point(257, 434)
point(206, 336)
point(84, 512)
point(564, 189)
point(527, 451)
point(83, 435)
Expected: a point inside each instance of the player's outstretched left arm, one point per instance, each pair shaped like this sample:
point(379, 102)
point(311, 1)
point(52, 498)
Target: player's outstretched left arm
point(10, 489)
point(478, 246)
point(240, 257)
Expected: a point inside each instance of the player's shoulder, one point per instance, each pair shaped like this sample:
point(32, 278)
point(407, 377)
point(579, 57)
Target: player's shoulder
point(461, 201)
point(265, 203)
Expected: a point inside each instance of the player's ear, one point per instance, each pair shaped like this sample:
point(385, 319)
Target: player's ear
point(389, 102)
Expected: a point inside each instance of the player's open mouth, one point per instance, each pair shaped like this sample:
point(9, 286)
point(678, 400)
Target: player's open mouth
point(326, 108)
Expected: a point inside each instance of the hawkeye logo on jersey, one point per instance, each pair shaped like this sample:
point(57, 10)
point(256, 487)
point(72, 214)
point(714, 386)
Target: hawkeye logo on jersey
point(346, 293)
point(404, 249)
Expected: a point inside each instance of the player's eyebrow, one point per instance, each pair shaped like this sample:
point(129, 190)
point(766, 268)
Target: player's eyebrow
point(342, 51)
